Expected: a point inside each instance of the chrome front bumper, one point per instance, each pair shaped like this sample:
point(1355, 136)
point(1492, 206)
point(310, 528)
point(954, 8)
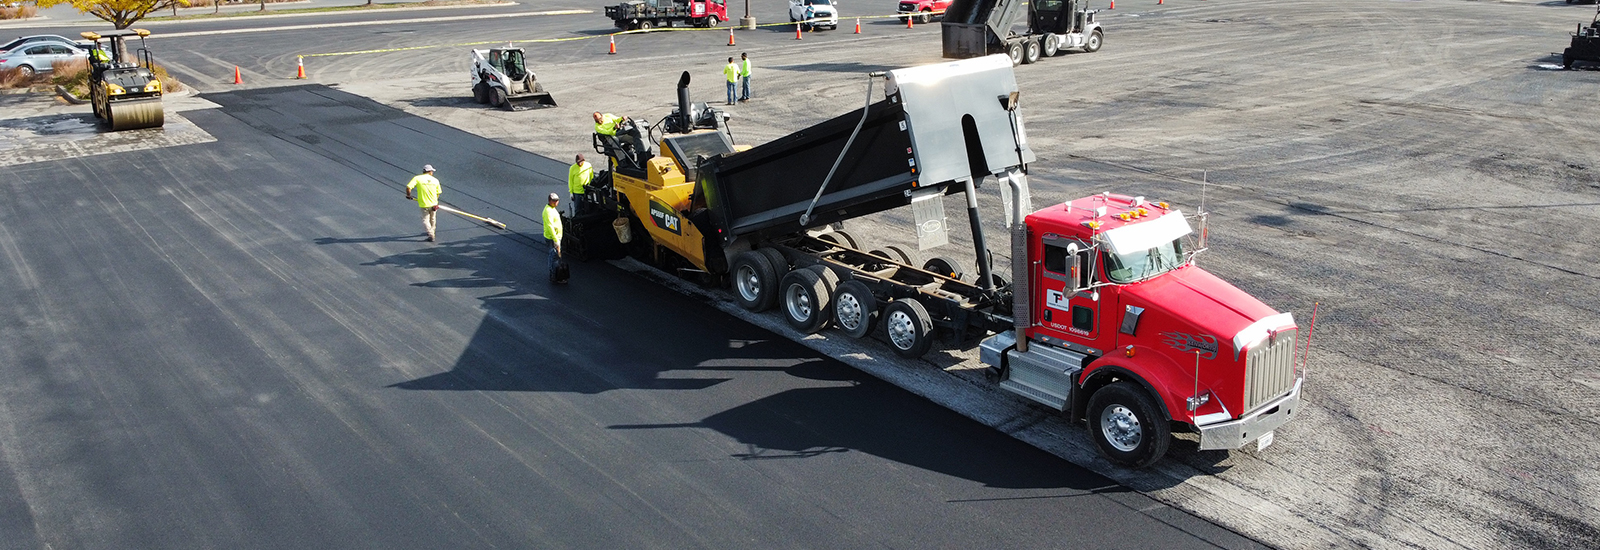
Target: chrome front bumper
point(1234, 434)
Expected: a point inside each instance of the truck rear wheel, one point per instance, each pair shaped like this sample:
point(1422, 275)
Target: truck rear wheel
point(944, 265)
point(806, 300)
point(754, 283)
point(855, 309)
point(1127, 425)
point(839, 238)
point(909, 327)
point(780, 264)
point(1030, 51)
point(1051, 45)
point(645, 25)
point(1014, 51)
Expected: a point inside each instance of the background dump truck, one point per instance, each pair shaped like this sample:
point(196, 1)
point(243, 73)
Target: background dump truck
point(1109, 321)
point(973, 28)
point(649, 14)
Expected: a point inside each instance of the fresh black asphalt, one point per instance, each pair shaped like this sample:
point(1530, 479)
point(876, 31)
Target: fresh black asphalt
point(246, 344)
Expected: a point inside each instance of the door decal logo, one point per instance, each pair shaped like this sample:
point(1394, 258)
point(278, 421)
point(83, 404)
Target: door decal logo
point(1204, 344)
point(664, 217)
point(1056, 299)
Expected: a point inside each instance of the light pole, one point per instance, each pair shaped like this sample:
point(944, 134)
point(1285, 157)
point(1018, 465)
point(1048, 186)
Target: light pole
point(748, 21)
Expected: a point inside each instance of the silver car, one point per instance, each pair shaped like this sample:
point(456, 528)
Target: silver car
point(19, 42)
point(38, 58)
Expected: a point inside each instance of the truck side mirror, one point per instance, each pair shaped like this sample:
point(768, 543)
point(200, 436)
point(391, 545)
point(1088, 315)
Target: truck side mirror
point(1074, 266)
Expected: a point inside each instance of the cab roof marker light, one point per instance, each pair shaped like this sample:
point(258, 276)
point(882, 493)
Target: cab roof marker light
point(1138, 200)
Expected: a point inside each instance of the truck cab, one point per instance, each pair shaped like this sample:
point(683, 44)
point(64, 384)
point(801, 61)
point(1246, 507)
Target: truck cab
point(923, 10)
point(1125, 331)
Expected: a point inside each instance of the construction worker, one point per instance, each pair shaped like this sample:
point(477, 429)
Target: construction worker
point(732, 72)
point(427, 188)
point(744, 76)
point(606, 124)
point(97, 55)
point(578, 178)
point(552, 234)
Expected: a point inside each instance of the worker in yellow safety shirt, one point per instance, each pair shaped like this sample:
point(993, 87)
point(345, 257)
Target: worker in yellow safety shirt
point(578, 178)
point(744, 76)
point(732, 72)
point(427, 188)
point(606, 124)
point(98, 55)
point(552, 235)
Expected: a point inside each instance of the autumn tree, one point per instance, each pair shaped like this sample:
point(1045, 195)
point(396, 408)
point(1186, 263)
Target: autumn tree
point(121, 13)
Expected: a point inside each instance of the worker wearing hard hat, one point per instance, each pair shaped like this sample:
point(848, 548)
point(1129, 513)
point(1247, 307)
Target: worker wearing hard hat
point(552, 235)
point(606, 124)
point(578, 178)
point(427, 188)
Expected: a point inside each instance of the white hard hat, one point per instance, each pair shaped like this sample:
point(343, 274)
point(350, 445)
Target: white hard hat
point(555, 197)
point(427, 168)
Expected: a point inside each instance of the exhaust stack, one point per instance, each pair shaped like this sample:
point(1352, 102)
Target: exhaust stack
point(685, 108)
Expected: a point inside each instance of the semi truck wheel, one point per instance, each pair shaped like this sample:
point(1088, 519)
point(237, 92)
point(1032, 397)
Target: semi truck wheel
point(1127, 425)
point(1093, 45)
point(909, 327)
point(806, 300)
point(944, 265)
point(855, 309)
point(1051, 45)
point(1030, 51)
point(780, 264)
point(829, 278)
point(1014, 51)
point(754, 283)
point(646, 25)
point(839, 238)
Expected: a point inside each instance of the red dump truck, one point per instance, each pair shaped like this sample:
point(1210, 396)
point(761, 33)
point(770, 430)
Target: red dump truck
point(1109, 320)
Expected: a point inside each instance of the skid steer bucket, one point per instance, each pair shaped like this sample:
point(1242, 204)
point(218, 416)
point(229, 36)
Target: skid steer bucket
point(528, 94)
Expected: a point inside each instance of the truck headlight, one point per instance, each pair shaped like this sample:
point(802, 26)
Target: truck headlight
point(1198, 400)
point(114, 89)
point(153, 86)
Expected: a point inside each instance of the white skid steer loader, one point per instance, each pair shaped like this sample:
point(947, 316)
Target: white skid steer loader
point(501, 78)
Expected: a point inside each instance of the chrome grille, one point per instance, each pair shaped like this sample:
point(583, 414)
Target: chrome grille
point(1269, 370)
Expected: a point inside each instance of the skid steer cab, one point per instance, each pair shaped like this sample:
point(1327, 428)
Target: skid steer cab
point(500, 78)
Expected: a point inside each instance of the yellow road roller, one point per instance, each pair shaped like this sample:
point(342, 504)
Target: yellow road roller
point(122, 84)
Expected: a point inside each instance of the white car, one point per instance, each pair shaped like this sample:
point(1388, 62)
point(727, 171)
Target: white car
point(814, 13)
point(40, 57)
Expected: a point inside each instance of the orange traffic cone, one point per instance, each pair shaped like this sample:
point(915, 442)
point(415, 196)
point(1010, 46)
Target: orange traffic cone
point(300, 70)
point(730, 36)
point(236, 78)
point(858, 25)
point(1160, 2)
point(1113, 5)
point(797, 31)
point(908, 21)
point(613, 40)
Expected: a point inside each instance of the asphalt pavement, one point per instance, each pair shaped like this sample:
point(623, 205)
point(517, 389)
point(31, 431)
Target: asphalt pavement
point(245, 343)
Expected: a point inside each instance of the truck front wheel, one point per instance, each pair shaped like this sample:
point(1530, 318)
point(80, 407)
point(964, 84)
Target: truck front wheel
point(909, 327)
point(1093, 45)
point(1127, 425)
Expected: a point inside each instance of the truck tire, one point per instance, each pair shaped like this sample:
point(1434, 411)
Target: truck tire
point(1127, 425)
point(646, 24)
point(1051, 46)
point(829, 278)
point(1014, 51)
point(926, 17)
point(909, 328)
point(480, 93)
point(780, 264)
point(1093, 45)
point(754, 284)
point(839, 238)
point(1030, 51)
point(944, 265)
point(899, 254)
point(805, 300)
point(855, 309)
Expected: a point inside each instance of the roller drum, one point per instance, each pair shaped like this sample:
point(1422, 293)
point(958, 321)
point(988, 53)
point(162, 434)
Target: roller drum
point(133, 115)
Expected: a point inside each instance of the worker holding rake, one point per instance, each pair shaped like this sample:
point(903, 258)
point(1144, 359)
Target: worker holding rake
point(427, 188)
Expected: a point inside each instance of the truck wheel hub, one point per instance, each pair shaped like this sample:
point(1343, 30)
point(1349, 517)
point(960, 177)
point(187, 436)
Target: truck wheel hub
point(749, 284)
point(799, 303)
point(1121, 427)
point(849, 310)
point(900, 330)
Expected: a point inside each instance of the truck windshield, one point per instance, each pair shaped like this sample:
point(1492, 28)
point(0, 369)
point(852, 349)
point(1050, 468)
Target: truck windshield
point(819, 2)
point(1143, 264)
